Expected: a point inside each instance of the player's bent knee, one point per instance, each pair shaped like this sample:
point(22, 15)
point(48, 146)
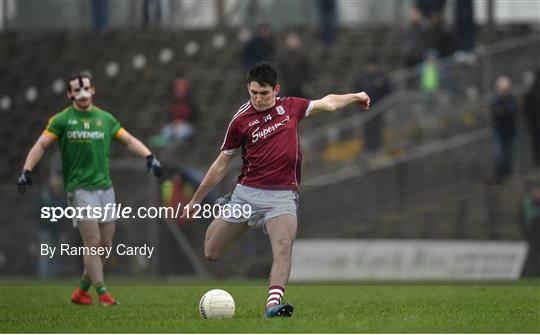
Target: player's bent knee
point(211, 255)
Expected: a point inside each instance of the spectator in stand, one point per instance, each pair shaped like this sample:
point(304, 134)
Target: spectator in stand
point(415, 39)
point(375, 83)
point(327, 21)
point(428, 8)
point(261, 46)
point(464, 31)
point(430, 73)
point(431, 78)
point(183, 115)
point(294, 67)
point(532, 116)
point(151, 13)
point(438, 37)
point(183, 112)
point(100, 14)
point(530, 219)
point(504, 110)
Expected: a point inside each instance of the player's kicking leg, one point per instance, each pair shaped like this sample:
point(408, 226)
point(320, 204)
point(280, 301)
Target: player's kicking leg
point(220, 235)
point(282, 232)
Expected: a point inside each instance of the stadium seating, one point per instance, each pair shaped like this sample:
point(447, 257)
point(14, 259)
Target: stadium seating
point(141, 100)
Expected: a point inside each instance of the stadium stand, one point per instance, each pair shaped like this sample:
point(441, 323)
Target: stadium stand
point(428, 196)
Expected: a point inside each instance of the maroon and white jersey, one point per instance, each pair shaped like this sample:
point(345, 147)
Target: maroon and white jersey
point(269, 143)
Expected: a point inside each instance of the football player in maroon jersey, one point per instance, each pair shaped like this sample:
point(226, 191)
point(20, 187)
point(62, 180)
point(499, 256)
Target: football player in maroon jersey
point(265, 131)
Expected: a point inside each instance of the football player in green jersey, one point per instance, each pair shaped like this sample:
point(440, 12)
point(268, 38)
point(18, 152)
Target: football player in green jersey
point(84, 133)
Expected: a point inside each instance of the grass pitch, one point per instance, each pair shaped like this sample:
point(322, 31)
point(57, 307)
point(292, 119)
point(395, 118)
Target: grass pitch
point(435, 308)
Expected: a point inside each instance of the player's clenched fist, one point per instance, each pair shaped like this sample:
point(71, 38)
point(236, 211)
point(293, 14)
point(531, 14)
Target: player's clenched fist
point(363, 100)
point(24, 180)
point(153, 163)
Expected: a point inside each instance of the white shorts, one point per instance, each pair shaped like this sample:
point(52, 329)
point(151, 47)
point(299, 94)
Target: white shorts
point(93, 198)
point(265, 204)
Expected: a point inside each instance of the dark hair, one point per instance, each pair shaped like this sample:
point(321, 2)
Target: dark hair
point(79, 76)
point(263, 73)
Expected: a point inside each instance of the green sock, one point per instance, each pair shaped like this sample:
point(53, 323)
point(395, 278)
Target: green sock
point(100, 288)
point(85, 283)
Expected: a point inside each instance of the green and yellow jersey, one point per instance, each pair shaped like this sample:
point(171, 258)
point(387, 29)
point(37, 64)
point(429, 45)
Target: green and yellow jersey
point(84, 139)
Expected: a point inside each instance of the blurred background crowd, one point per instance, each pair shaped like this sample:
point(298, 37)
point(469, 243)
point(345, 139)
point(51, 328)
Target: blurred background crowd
point(449, 150)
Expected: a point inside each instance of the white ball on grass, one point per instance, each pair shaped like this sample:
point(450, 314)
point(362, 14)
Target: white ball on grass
point(217, 304)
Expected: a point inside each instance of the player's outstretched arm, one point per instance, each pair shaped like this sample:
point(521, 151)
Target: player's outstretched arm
point(215, 174)
point(334, 102)
point(33, 157)
point(138, 148)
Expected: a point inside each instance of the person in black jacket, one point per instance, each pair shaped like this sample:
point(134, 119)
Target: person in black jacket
point(532, 116)
point(415, 38)
point(260, 47)
point(374, 82)
point(504, 109)
point(295, 67)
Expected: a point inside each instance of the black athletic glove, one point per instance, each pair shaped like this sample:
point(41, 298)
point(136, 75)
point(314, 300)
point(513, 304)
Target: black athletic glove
point(24, 180)
point(154, 164)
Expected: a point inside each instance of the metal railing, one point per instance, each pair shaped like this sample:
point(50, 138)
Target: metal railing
point(413, 117)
